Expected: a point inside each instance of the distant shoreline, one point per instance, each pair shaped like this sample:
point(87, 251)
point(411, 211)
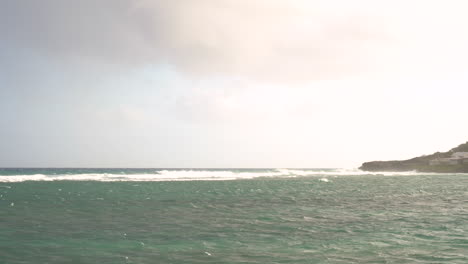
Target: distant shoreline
point(452, 161)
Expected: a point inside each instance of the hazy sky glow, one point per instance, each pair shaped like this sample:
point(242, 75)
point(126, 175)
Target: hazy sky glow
point(230, 83)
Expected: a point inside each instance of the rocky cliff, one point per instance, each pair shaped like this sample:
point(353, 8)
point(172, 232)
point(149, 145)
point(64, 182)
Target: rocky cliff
point(427, 163)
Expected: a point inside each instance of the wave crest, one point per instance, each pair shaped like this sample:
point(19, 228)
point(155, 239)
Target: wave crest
point(201, 175)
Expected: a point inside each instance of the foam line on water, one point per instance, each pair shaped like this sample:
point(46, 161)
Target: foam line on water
point(202, 175)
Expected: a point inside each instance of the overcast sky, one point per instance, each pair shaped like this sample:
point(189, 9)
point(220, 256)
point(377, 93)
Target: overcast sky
point(230, 83)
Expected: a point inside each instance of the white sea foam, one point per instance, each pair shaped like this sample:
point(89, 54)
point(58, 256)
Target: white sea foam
point(163, 175)
point(203, 175)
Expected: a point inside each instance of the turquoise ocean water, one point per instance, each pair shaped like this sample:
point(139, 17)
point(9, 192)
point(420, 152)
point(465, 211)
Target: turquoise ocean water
point(231, 216)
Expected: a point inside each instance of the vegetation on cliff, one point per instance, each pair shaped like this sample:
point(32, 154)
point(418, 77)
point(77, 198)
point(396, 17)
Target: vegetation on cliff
point(422, 163)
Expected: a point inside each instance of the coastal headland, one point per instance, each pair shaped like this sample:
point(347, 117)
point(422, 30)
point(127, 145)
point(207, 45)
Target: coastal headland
point(452, 161)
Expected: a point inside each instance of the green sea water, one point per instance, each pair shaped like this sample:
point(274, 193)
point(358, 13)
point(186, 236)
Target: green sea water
point(325, 217)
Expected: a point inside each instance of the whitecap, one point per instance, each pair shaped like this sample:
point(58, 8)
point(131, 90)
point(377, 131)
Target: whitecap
point(203, 175)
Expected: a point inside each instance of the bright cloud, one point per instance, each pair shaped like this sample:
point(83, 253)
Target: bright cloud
point(276, 40)
point(226, 83)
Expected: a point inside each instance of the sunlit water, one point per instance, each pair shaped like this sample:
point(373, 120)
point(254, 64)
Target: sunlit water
point(232, 216)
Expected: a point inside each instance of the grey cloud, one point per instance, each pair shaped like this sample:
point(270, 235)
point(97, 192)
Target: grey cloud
point(263, 40)
point(101, 30)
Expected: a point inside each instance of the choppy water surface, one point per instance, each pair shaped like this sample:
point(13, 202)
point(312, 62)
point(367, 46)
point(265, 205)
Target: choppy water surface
point(281, 216)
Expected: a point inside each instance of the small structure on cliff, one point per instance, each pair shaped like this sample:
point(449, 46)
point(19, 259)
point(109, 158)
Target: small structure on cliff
point(460, 155)
point(455, 159)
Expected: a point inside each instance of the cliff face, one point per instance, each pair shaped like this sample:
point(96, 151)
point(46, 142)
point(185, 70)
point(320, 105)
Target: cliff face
point(437, 162)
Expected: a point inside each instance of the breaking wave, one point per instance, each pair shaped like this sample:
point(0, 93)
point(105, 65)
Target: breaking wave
point(197, 175)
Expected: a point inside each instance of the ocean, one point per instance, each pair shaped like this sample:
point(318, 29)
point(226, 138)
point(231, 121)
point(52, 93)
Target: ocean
point(231, 216)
